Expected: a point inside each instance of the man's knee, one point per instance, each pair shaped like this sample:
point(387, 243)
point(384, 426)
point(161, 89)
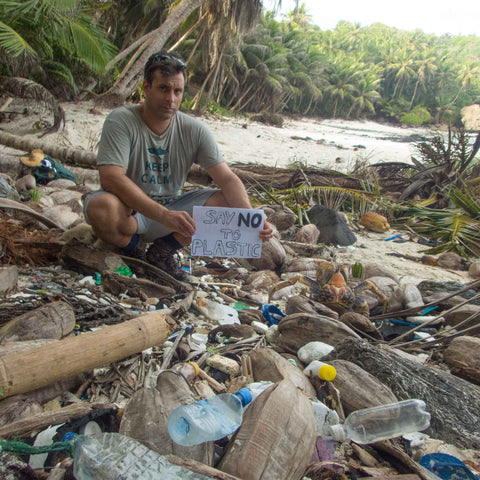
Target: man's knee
point(217, 200)
point(106, 209)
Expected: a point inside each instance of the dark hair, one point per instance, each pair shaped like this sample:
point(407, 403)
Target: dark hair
point(168, 63)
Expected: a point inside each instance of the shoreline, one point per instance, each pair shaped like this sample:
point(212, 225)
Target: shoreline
point(334, 144)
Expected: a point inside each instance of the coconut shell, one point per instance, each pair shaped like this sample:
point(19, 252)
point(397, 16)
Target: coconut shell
point(308, 234)
point(301, 304)
point(358, 388)
point(267, 364)
point(374, 222)
point(146, 415)
point(276, 439)
point(362, 323)
point(463, 352)
point(299, 328)
point(273, 256)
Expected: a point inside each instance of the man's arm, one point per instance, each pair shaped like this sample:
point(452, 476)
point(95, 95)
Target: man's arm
point(114, 180)
point(234, 192)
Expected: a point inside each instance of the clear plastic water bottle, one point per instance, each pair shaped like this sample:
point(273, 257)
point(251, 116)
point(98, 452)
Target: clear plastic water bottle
point(383, 422)
point(324, 416)
point(111, 456)
point(209, 419)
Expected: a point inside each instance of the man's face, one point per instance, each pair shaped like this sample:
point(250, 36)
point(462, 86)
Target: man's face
point(164, 95)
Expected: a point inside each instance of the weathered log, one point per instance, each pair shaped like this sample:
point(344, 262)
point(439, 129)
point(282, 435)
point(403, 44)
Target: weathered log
point(24, 427)
point(117, 284)
point(452, 402)
point(81, 158)
point(91, 260)
point(53, 321)
point(28, 370)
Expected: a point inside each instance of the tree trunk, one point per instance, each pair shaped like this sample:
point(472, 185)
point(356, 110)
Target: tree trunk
point(80, 158)
point(132, 78)
point(453, 403)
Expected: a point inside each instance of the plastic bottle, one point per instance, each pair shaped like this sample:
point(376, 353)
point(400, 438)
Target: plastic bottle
point(324, 416)
point(383, 422)
point(188, 370)
point(110, 456)
point(209, 419)
point(323, 370)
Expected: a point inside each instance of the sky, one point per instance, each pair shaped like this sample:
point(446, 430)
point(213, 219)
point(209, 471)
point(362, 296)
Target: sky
point(432, 16)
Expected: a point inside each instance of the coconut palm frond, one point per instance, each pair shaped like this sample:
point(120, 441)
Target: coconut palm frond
point(330, 196)
point(455, 230)
point(27, 89)
point(12, 42)
point(466, 201)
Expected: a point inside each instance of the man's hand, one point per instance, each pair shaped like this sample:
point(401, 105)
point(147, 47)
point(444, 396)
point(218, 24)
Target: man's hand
point(267, 232)
point(180, 222)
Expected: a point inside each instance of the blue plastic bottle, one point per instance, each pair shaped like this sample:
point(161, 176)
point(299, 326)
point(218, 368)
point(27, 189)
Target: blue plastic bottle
point(209, 419)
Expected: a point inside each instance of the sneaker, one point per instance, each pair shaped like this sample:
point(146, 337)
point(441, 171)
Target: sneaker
point(163, 256)
point(138, 251)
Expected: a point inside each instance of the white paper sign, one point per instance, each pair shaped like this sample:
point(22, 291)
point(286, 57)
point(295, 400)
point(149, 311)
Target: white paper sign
point(227, 232)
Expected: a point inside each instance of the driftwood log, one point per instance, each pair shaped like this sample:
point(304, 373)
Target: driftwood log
point(117, 284)
point(42, 420)
point(27, 370)
point(91, 260)
point(453, 403)
point(54, 321)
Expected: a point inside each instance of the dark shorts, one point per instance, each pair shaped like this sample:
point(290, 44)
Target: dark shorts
point(151, 230)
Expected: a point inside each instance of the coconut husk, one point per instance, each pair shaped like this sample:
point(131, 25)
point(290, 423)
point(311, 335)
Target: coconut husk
point(298, 329)
point(276, 439)
point(146, 415)
point(301, 304)
point(266, 364)
point(358, 388)
point(362, 323)
point(463, 357)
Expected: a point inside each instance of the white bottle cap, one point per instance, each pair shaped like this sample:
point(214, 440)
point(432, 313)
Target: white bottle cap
point(338, 433)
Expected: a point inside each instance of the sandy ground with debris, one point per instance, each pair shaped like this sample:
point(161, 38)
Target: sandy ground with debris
point(334, 144)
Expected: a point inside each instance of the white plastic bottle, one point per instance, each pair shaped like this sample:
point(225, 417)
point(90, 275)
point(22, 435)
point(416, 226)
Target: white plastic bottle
point(323, 370)
point(209, 419)
point(110, 456)
point(383, 422)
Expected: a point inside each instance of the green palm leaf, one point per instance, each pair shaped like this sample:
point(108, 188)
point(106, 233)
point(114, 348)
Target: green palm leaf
point(13, 43)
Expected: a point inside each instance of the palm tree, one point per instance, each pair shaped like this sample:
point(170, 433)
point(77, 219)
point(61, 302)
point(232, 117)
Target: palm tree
point(233, 13)
point(426, 67)
point(365, 95)
point(342, 76)
point(47, 40)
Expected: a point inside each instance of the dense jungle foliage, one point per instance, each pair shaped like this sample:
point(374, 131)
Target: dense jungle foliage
point(289, 66)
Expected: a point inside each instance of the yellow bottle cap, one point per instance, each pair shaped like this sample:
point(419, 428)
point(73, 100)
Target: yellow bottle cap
point(195, 367)
point(327, 372)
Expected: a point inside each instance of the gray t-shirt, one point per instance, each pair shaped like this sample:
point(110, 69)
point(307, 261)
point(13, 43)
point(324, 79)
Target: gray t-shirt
point(158, 164)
